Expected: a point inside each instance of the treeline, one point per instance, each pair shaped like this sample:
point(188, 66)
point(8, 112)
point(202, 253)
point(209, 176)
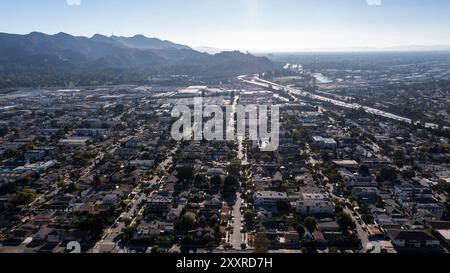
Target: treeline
point(74, 78)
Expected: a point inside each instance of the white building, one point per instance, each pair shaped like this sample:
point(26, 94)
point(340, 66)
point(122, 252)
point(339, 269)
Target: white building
point(269, 198)
point(325, 143)
point(314, 207)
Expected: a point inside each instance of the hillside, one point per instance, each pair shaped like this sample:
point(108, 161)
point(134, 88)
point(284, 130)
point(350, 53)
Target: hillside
point(39, 59)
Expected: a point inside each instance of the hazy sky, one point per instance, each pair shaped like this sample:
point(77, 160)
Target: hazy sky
point(255, 25)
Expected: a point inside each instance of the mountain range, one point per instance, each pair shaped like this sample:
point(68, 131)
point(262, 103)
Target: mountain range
point(38, 54)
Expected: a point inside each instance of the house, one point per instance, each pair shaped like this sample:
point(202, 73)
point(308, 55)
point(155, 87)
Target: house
point(409, 191)
point(365, 193)
point(110, 200)
point(55, 237)
point(25, 231)
point(15, 175)
point(4, 203)
point(430, 210)
point(75, 141)
point(442, 230)
point(159, 204)
point(126, 152)
point(330, 230)
point(382, 219)
point(349, 142)
point(314, 201)
point(283, 240)
point(37, 167)
point(413, 239)
point(360, 181)
point(35, 155)
point(215, 172)
point(319, 237)
point(328, 225)
point(314, 207)
point(269, 199)
point(78, 235)
point(133, 143)
point(325, 143)
point(308, 237)
point(375, 163)
point(213, 203)
point(142, 164)
point(92, 132)
point(41, 235)
point(202, 235)
point(375, 233)
point(147, 230)
point(263, 216)
point(346, 164)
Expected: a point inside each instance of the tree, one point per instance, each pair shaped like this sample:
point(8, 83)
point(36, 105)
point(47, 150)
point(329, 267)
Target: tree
point(364, 170)
point(185, 223)
point(96, 181)
point(284, 186)
point(3, 131)
point(399, 158)
point(156, 250)
point(326, 157)
point(265, 158)
point(128, 233)
point(185, 173)
point(217, 230)
point(249, 215)
point(23, 198)
point(8, 188)
point(73, 187)
point(10, 153)
point(332, 250)
point(202, 222)
point(283, 206)
point(200, 180)
point(75, 175)
point(345, 221)
point(300, 229)
point(217, 183)
point(311, 224)
point(262, 243)
point(234, 168)
point(231, 184)
point(387, 174)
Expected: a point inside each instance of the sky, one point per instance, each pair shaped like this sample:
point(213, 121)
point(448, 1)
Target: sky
point(253, 25)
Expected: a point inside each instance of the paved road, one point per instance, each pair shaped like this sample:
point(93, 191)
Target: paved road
point(363, 236)
point(237, 236)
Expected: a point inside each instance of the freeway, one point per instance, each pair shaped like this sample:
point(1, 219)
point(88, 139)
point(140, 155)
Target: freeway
point(255, 80)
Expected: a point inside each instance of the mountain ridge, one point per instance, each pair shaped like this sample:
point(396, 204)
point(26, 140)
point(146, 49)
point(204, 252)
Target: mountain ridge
point(40, 54)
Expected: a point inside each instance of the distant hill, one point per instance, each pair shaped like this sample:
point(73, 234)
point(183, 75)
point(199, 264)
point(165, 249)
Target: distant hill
point(142, 42)
point(37, 57)
point(210, 50)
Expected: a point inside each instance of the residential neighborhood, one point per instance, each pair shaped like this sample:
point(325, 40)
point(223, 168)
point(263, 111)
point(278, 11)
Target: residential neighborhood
point(102, 169)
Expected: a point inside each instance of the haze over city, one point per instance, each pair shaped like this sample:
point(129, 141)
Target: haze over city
point(254, 25)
